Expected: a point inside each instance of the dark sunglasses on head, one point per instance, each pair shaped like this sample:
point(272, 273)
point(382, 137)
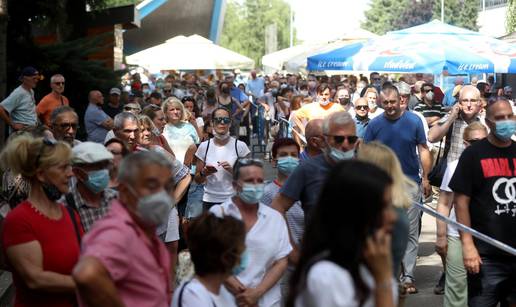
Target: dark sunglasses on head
point(222, 120)
point(362, 107)
point(249, 161)
point(339, 139)
point(46, 142)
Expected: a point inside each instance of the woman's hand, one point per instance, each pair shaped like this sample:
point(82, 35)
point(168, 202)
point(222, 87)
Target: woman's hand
point(249, 297)
point(378, 256)
point(226, 166)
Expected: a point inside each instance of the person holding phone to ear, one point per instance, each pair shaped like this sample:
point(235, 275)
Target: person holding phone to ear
point(345, 258)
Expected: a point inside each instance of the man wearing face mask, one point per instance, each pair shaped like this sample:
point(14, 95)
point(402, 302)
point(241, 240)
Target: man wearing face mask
point(345, 100)
point(432, 110)
point(483, 186)
point(123, 262)
point(305, 182)
point(89, 192)
point(403, 132)
point(267, 238)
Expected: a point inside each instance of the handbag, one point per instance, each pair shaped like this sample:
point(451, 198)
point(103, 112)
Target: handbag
point(435, 177)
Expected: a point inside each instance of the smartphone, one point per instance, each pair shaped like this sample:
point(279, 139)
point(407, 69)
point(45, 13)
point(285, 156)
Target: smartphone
point(211, 168)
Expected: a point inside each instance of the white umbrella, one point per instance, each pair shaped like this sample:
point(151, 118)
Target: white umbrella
point(189, 53)
point(275, 61)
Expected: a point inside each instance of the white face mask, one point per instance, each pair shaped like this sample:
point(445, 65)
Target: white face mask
point(323, 102)
point(221, 137)
point(372, 105)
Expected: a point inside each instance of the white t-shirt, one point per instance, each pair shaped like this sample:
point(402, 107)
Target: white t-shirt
point(376, 113)
point(219, 186)
point(448, 174)
point(330, 285)
point(195, 294)
point(266, 242)
point(425, 127)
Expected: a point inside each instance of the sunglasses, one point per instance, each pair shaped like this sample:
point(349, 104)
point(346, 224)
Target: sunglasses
point(66, 126)
point(131, 109)
point(339, 139)
point(59, 83)
point(222, 120)
point(377, 79)
point(428, 90)
point(472, 141)
point(362, 107)
point(187, 98)
point(46, 142)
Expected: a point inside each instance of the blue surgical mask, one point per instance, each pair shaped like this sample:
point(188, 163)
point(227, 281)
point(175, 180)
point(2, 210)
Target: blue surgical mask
point(242, 265)
point(251, 194)
point(97, 180)
point(338, 155)
point(286, 165)
point(505, 129)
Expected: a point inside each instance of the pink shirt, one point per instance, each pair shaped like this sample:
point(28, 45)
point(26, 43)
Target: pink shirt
point(139, 267)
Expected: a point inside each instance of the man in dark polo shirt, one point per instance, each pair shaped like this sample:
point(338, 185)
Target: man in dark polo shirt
point(431, 109)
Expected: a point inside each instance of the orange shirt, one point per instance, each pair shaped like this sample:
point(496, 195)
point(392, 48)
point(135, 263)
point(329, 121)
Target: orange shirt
point(47, 105)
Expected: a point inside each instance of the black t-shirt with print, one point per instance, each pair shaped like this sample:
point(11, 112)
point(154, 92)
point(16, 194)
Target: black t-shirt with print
point(487, 174)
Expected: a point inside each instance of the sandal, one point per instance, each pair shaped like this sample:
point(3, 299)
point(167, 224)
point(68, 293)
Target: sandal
point(410, 288)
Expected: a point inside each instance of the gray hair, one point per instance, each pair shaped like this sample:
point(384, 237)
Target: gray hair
point(54, 77)
point(341, 118)
point(135, 162)
point(120, 118)
point(60, 110)
point(403, 88)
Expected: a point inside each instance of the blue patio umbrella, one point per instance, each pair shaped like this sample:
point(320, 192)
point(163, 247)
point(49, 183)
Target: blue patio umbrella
point(433, 47)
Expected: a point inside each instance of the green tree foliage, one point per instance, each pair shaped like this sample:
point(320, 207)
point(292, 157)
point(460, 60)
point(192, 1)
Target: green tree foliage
point(510, 25)
point(389, 15)
point(245, 22)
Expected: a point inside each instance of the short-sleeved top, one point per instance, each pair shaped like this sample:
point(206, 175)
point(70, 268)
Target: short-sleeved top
point(21, 106)
point(219, 186)
point(456, 144)
point(306, 182)
point(138, 265)
point(402, 135)
point(48, 104)
point(195, 294)
point(295, 215)
point(450, 169)
point(93, 119)
point(361, 125)
point(435, 110)
point(330, 285)
point(180, 137)
point(59, 246)
point(266, 242)
point(487, 174)
point(315, 110)
point(112, 111)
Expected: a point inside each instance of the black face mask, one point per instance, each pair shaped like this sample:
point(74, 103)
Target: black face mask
point(225, 90)
point(51, 191)
point(344, 100)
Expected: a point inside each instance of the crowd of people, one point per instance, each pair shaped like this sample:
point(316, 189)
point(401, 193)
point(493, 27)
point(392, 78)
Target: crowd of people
point(164, 203)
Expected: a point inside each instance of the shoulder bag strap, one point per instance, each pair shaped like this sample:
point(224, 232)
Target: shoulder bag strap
point(447, 143)
point(71, 212)
point(206, 153)
point(180, 299)
point(236, 149)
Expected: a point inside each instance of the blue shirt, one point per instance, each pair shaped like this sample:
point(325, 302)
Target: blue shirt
point(448, 99)
point(21, 106)
point(93, 119)
point(402, 136)
point(361, 126)
point(256, 87)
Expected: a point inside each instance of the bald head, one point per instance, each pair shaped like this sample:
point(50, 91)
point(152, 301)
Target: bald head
point(469, 90)
point(313, 128)
point(96, 97)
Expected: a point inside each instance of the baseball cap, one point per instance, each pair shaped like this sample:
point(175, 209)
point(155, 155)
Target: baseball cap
point(115, 91)
point(89, 153)
point(29, 71)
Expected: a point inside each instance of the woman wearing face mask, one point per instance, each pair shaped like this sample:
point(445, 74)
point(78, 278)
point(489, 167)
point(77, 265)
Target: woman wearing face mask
point(179, 133)
point(267, 240)
point(40, 236)
point(285, 157)
point(320, 108)
point(217, 249)
point(345, 258)
point(215, 160)
point(371, 94)
point(155, 113)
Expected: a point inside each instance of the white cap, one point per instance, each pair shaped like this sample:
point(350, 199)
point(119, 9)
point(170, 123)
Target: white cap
point(115, 90)
point(90, 152)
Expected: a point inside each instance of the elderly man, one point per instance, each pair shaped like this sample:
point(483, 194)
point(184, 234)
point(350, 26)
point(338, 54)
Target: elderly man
point(97, 122)
point(125, 127)
point(123, 263)
point(89, 193)
point(314, 139)
point(361, 116)
point(64, 123)
point(18, 110)
point(403, 132)
point(53, 100)
point(483, 186)
point(453, 125)
point(305, 183)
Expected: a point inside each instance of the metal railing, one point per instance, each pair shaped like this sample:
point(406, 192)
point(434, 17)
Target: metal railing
point(491, 4)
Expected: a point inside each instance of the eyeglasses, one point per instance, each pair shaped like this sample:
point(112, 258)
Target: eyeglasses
point(67, 126)
point(362, 107)
point(427, 90)
point(339, 139)
point(222, 120)
point(187, 98)
point(167, 91)
point(128, 109)
point(472, 141)
point(377, 79)
point(46, 142)
point(472, 101)
point(59, 83)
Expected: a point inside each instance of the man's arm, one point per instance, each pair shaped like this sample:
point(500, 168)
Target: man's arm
point(5, 116)
point(108, 124)
point(426, 162)
point(444, 205)
point(437, 132)
point(282, 203)
point(94, 284)
point(182, 187)
point(470, 254)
